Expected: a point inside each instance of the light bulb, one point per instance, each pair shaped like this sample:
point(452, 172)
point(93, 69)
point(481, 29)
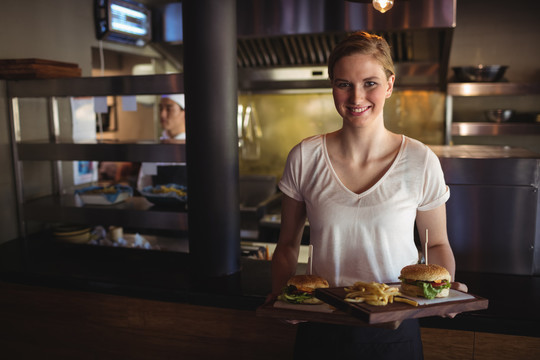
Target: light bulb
point(383, 5)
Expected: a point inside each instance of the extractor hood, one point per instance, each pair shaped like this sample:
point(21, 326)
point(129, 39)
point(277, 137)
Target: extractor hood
point(285, 44)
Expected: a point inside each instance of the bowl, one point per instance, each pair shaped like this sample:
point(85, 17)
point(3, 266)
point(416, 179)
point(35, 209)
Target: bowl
point(499, 115)
point(170, 194)
point(479, 73)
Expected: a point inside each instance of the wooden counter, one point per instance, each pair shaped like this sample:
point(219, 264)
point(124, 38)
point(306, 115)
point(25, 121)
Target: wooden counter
point(513, 300)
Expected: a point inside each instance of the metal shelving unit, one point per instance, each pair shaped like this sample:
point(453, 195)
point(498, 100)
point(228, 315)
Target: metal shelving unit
point(102, 152)
point(491, 89)
point(98, 86)
point(487, 128)
point(136, 212)
point(494, 129)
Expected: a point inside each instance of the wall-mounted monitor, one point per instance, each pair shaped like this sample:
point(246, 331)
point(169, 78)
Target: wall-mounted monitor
point(123, 21)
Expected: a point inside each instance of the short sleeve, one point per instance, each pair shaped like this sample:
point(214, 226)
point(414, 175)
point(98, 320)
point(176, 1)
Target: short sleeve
point(290, 181)
point(435, 191)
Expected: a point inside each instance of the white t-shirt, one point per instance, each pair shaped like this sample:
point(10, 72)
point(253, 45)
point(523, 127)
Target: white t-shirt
point(367, 236)
point(165, 136)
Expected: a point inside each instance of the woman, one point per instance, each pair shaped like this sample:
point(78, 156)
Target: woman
point(362, 189)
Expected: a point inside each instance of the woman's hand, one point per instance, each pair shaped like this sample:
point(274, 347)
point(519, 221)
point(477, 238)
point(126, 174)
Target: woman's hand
point(270, 298)
point(460, 287)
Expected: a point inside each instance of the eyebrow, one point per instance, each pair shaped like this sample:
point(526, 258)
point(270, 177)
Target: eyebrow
point(365, 79)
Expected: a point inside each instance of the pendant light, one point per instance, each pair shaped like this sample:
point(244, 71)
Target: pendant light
point(380, 5)
point(383, 5)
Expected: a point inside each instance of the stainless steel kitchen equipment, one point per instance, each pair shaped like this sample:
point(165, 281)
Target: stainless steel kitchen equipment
point(285, 44)
point(458, 127)
point(479, 73)
point(258, 197)
point(499, 115)
point(494, 208)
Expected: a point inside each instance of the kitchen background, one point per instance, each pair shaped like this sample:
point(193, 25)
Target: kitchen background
point(498, 32)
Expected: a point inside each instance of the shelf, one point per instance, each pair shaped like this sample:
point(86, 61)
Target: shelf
point(135, 212)
point(102, 152)
point(98, 86)
point(494, 129)
point(484, 152)
point(492, 89)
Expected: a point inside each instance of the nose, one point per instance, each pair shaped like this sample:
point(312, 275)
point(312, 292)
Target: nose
point(163, 113)
point(357, 94)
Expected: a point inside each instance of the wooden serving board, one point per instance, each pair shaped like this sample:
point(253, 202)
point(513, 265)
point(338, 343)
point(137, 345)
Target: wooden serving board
point(398, 311)
point(37, 69)
point(290, 313)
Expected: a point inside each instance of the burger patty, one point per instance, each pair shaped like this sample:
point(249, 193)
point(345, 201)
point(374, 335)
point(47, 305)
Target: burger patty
point(435, 284)
point(427, 289)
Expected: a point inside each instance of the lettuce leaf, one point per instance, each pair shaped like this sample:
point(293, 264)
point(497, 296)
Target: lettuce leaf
point(431, 292)
point(292, 295)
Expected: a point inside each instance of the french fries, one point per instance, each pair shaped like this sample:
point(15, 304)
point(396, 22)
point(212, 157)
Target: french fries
point(406, 301)
point(164, 189)
point(374, 293)
point(104, 190)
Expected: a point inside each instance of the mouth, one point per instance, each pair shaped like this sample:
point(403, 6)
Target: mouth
point(359, 110)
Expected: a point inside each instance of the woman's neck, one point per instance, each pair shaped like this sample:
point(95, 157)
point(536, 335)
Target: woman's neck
point(363, 144)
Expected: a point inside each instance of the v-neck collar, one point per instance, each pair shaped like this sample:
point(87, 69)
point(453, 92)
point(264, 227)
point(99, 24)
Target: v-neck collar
point(374, 186)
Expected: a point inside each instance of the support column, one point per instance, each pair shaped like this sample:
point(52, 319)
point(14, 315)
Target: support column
point(210, 83)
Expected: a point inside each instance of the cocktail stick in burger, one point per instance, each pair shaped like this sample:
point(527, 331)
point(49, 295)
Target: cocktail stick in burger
point(300, 289)
point(429, 281)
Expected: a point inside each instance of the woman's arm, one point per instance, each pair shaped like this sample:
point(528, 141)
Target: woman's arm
point(439, 250)
point(285, 257)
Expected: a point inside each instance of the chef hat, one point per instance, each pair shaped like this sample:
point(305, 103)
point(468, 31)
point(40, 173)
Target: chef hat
point(177, 98)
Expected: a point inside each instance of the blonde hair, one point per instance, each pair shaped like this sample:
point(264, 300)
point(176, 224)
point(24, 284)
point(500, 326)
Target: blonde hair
point(364, 43)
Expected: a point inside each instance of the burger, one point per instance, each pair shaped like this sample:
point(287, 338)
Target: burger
point(300, 289)
point(429, 281)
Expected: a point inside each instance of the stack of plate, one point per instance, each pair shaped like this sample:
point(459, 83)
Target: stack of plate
point(101, 195)
point(72, 234)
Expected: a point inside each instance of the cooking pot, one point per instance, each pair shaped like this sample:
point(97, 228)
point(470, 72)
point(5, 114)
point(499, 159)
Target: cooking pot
point(499, 115)
point(479, 73)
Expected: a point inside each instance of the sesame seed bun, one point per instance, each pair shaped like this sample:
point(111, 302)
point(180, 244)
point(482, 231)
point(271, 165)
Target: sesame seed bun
point(308, 282)
point(414, 276)
point(425, 272)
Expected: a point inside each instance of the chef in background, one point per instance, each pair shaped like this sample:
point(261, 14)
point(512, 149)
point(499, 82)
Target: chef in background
point(172, 118)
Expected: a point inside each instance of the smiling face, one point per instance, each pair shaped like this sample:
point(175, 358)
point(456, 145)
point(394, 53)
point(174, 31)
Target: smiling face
point(360, 88)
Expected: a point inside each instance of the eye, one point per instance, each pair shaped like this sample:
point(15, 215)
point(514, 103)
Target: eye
point(343, 84)
point(369, 84)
